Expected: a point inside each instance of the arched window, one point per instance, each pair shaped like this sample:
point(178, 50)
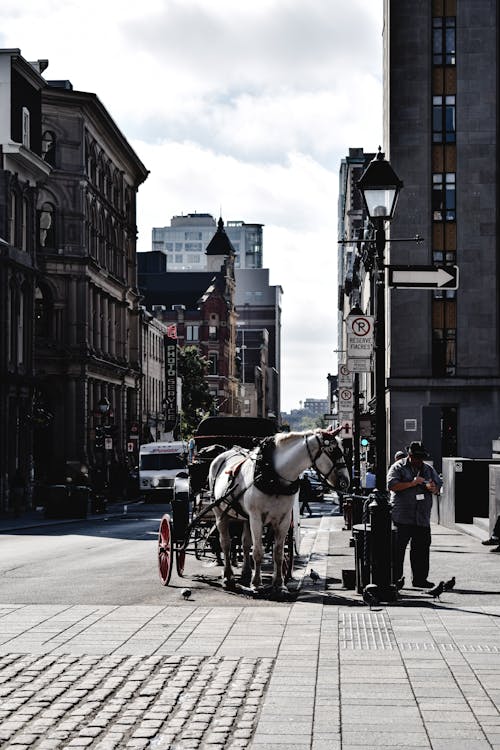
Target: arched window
point(43, 312)
point(46, 228)
point(49, 147)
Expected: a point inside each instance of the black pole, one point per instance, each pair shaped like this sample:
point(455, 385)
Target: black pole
point(355, 437)
point(380, 413)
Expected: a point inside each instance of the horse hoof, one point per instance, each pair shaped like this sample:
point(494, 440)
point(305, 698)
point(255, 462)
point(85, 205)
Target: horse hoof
point(245, 581)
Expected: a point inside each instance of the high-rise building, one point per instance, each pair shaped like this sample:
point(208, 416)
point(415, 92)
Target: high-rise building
point(184, 242)
point(441, 121)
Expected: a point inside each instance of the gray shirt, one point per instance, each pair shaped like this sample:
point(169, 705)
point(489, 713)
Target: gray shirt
point(407, 508)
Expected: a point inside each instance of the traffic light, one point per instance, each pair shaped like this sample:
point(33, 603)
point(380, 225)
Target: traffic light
point(99, 438)
point(364, 442)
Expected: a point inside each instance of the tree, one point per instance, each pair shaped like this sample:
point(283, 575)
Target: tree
point(197, 401)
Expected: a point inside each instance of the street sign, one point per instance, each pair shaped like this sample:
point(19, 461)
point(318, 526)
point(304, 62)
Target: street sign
point(423, 277)
point(359, 336)
point(345, 377)
point(360, 364)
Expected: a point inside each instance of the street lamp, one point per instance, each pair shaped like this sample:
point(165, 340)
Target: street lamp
point(380, 187)
point(103, 407)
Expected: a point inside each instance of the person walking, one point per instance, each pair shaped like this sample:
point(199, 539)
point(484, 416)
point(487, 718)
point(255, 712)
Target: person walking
point(305, 492)
point(412, 484)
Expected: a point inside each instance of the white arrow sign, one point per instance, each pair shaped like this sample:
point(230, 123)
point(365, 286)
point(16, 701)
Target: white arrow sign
point(424, 277)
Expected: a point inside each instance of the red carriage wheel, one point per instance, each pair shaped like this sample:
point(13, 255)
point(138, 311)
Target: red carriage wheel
point(288, 555)
point(165, 550)
point(180, 559)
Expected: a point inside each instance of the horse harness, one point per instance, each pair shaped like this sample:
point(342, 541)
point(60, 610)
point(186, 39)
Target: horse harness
point(334, 454)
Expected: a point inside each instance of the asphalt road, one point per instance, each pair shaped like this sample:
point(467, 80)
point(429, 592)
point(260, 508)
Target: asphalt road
point(108, 560)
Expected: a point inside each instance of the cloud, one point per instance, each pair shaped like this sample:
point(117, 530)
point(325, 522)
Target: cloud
point(243, 106)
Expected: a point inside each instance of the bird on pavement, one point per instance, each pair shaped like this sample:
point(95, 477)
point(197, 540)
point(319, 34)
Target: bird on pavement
point(186, 593)
point(369, 596)
point(448, 585)
point(437, 590)
point(314, 576)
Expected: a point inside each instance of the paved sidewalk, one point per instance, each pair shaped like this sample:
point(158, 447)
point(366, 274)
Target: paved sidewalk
point(321, 672)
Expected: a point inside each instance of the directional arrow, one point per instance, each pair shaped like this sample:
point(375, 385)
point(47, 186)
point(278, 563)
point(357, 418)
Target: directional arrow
point(423, 277)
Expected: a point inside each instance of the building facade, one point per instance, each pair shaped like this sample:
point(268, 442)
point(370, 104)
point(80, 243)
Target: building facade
point(184, 242)
point(441, 122)
point(22, 168)
point(201, 306)
point(87, 342)
point(258, 306)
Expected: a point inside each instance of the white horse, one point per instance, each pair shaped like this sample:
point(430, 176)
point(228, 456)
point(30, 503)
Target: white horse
point(260, 486)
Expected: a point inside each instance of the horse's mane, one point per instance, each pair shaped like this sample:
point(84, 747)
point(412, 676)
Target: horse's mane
point(283, 437)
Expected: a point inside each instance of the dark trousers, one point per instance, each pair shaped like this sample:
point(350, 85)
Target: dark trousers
point(420, 538)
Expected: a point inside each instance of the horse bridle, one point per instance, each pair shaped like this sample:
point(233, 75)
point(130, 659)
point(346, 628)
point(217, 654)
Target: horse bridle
point(334, 454)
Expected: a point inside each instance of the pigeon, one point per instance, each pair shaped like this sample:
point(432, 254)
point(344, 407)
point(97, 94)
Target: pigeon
point(369, 596)
point(448, 585)
point(314, 576)
point(437, 590)
point(186, 593)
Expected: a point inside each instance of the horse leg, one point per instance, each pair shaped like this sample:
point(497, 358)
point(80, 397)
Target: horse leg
point(246, 541)
point(258, 552)
point(280, 532)
point(225, 542)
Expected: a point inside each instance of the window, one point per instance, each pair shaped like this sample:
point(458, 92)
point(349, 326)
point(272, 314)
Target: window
point(48, 147)
point(444, 333)
point(194, 259)
point(169, 246)
point(178, 258)
point(192, 333)
point(212, 333)
point(192, 236)
point(46, 225)
point(443, 196)
point(212, 366)
point(193, 247)
point(443, 40)
point(443, 119)
point(26, 127)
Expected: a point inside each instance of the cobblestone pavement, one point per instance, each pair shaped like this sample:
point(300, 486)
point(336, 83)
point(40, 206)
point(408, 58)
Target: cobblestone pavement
point(321, 672)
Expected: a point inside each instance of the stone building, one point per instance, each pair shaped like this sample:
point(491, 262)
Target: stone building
point(22, 167)
point(441, 111)
point(201, 305)
point(87, 301)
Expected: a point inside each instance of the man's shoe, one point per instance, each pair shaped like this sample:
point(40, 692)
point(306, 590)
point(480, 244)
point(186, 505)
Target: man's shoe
point(422, 584)
point(400, 583)
point(491, 541)
point(496, 550)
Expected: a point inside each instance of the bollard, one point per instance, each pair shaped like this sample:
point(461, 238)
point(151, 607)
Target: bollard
point(381, 546)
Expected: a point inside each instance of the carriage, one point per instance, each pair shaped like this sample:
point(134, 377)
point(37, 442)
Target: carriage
point(233, 459)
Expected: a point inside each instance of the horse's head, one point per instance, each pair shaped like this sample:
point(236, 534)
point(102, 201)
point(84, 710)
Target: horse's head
point(333, 470)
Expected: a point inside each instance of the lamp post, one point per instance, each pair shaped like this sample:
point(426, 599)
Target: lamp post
point(380, 187)
point(104, 407)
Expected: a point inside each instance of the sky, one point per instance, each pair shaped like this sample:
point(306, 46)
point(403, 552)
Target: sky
point(243, 108)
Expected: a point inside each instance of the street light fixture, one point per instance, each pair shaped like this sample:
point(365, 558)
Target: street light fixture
point(380, 187)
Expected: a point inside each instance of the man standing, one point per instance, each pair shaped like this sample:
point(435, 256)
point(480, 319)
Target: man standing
point(412, 484)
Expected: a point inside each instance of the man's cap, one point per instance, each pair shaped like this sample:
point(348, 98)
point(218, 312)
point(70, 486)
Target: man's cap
point(399, 454)
point(417, 449)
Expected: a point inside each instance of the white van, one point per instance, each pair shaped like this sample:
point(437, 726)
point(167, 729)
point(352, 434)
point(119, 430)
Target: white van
point(159, 464)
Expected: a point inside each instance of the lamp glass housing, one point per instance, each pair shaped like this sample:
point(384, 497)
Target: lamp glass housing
point(381, 201)
point(103, 405)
